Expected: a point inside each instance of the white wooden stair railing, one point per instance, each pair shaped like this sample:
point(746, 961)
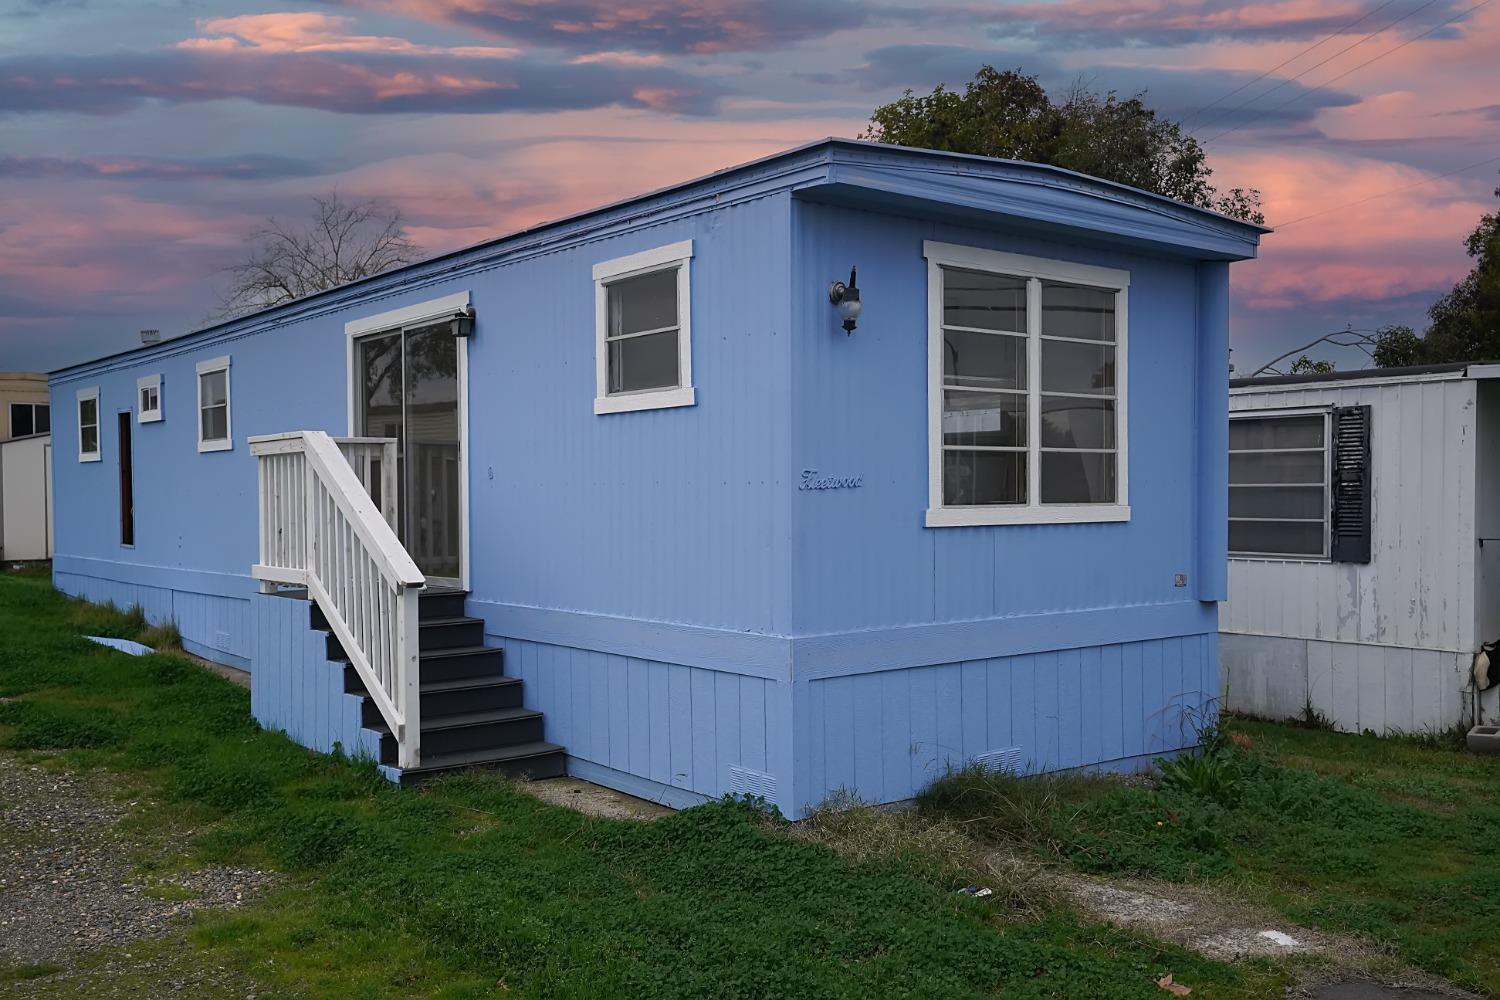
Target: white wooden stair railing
point(320, 529)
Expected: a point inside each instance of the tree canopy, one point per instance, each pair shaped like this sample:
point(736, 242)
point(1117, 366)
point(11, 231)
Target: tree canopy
point(1010, 115)
point(339, 242)
point(1463, 325)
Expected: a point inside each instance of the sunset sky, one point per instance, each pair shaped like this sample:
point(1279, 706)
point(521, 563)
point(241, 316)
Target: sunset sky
point(141, 139)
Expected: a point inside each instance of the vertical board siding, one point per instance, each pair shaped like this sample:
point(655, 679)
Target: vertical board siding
point(295, 688)
point(213, 623)
point(862, 558)
point(677, 725)
point(885, 736)
point(1356, 686)
point(1417, 591)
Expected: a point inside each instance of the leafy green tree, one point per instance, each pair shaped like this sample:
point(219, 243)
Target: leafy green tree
point(1464, 325)
point(1307, 366)
point(1010, 115)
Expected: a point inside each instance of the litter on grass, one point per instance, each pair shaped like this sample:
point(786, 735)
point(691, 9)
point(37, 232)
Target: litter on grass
point(1285, 940)
point(123, 645)
point(975, 891)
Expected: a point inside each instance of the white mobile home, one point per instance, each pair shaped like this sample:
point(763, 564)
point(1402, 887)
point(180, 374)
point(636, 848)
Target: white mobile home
point(1364, 543)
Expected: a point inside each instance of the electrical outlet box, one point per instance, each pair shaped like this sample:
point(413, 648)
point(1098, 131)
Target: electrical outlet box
point(1179, 580)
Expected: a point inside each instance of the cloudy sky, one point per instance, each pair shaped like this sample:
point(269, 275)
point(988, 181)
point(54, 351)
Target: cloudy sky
point(141, 139)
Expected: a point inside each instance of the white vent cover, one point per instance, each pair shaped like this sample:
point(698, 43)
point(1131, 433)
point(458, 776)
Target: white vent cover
point(221, 640)
point(1007, 759)
point(743, 781)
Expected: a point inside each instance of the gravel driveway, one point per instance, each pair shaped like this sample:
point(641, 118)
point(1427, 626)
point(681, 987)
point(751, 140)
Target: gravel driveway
point(70, 881)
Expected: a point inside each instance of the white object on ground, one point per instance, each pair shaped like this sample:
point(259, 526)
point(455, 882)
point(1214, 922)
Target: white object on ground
point(1285, 940)
point(123, 645)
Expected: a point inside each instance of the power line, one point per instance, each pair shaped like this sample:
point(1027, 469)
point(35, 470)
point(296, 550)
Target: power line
point(1325, 83)
point(1323, 62)
point(1384, 194)
point(1286, 62)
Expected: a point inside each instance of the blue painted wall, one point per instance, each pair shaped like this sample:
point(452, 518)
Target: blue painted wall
point(689, 621)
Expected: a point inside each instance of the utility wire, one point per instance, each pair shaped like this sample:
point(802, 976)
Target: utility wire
point(1323, 62)
point(1286, 62)
point(1325, 83)
point(1384, 194)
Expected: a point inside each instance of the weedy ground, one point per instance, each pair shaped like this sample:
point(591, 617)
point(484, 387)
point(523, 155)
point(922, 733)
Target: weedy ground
point(471, 888)
point(1394, 840)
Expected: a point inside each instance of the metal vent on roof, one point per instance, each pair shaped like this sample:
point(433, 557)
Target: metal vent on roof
point(757, 784)
point(1007, 759)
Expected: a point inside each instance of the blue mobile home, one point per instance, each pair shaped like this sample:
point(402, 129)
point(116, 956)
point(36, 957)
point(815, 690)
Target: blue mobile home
point(621, 493)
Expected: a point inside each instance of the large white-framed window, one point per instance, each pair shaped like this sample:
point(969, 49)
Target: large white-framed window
point(1280, 467)
point(1026, 389)
point(215, 432)
point(643, 342)
point(27, 419)
point(88, 424)
point(148, 398)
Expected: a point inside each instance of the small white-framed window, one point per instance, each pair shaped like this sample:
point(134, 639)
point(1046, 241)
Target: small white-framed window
point(215, 432)
point(643, 343)
point(1026, 389)
point(88, 424)
point(1279, 482)
point(27, 419)
point(148, 399)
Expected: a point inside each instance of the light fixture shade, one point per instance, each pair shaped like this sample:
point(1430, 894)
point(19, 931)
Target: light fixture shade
point(463, 322)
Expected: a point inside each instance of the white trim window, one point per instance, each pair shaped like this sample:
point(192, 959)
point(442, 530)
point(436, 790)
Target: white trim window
point(1026, 389)
point(215, 432)
point(148, 399)
point(643, 342)
point(1279, 500)
point(88, 424)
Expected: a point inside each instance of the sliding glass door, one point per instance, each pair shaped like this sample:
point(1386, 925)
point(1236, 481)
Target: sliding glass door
point(408, 382)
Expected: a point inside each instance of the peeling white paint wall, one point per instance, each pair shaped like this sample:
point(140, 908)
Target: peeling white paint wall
point(1384, 645)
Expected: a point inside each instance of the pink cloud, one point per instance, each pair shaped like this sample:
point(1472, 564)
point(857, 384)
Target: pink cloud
point(307, 31)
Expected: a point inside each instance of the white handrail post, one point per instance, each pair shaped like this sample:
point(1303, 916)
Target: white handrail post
point(409, 678)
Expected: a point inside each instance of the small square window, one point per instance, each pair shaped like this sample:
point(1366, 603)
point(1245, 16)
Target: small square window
point(27, 419)
point(148, 399)
point(644, 341)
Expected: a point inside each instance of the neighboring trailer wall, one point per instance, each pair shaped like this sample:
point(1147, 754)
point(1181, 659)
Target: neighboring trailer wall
point(26, 498)
point(1383, 645)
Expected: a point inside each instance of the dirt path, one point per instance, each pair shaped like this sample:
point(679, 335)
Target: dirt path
point(71, 885)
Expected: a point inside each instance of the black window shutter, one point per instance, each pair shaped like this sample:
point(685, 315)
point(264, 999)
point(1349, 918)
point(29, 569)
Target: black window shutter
point(1350, 530)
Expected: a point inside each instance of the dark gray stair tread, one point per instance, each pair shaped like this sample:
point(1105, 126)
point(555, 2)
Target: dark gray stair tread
point(430, 591)
point(457, 620)
point(481, 718)
point(468, 684)
point(496, 755)
point(438, 654)
point(447, 651)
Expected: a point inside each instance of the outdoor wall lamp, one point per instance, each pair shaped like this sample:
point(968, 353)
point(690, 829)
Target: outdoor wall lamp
point(463, 322)
point(846, 298)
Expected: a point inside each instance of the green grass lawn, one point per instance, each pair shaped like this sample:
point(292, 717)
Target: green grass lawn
point(1394, 840)
point(471, 888)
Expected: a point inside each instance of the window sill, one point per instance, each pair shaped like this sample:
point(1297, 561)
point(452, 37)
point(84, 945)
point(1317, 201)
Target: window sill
point(654, 400)
point(149, 418)
point(960, 517)
point(206, 446)
point(1233, 557)
point(89, 458)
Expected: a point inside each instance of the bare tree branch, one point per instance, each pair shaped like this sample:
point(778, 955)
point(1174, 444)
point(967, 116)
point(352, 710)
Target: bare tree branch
point(1364, 340)
point(343, 242)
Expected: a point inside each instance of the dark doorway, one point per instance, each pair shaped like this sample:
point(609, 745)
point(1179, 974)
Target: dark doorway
point(127, 484)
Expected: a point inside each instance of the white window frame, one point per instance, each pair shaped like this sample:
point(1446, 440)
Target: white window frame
point(144, 415)
point(83, 394)
point(227, 442)
point(1035, 270)
point(1326, 412)
point(606, 273)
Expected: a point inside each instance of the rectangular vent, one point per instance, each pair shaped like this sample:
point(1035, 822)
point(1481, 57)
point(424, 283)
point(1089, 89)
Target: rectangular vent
point(1007, 760)
point(743, 781)
point(221, 640)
